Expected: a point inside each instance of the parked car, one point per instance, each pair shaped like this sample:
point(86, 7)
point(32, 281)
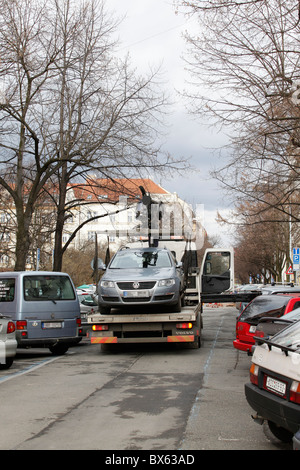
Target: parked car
point(8, 342)
point(141, 276)
point(268, 326)
point(273, 305)
point(274, 388)
point(247, 288)
point(88, 304)
point(280, 289)
point(44, 307)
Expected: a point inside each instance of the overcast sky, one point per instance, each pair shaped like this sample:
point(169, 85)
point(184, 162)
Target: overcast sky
point(153, 35)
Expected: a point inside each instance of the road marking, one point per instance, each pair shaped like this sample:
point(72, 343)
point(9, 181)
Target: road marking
point(28, 369)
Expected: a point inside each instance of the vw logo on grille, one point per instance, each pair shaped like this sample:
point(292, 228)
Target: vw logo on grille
point(135, 285)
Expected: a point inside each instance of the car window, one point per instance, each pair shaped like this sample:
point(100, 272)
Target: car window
point(7, 289)
point(87, 300)
point(263, 306)
point(48, 287)
point(293, 315)
point(289, 337)
point(141, 259)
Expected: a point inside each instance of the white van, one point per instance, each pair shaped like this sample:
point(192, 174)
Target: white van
point(44, 306)
point(274, 391)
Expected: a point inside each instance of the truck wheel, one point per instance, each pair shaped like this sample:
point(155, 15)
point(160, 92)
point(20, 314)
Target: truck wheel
point(277, 431)
point(59, 349)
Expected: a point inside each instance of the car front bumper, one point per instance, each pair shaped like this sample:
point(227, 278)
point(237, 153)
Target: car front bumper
point(111, 297)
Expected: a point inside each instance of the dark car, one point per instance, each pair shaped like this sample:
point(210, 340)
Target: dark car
point(141, 276)
point(274, 306)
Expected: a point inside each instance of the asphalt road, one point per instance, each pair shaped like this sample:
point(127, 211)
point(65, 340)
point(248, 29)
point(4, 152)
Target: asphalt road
point(140, 397)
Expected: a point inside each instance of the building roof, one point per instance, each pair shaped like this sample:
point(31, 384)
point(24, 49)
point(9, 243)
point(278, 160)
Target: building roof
point(101, 189)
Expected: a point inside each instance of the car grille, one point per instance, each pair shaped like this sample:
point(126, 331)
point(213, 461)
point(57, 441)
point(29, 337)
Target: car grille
point(130, 285)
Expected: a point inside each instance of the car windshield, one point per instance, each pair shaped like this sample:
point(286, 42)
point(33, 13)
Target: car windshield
point(141, 259)
point(265, 306)
point(289, 337)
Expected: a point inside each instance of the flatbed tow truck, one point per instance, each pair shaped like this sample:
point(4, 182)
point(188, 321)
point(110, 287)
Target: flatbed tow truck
point(212, 283)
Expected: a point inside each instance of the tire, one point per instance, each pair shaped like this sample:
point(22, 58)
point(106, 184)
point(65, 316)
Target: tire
point(104, 310)
point(59, 349)
point(177, 306)
point(195, 344)
point(8, 362)
point(278, 432)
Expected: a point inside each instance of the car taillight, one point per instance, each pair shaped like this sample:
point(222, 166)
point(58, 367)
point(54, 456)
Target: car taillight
point(295, 392)
point(184, 326)
point(254, 374)
point(21, 325)
point(11, 327)
point(239, 328)
point(259, 334)
point(99, 327)
point(78, 321)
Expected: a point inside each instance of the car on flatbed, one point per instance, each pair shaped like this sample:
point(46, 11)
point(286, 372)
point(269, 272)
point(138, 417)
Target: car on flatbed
point(141, 277)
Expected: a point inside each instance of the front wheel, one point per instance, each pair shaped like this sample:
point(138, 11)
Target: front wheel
point(177, 306)
point(104, 310)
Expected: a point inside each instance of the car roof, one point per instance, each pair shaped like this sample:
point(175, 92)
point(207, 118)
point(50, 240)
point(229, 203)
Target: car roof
point(145, 248)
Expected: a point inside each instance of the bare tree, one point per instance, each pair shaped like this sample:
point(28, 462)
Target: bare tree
point(69, 106)
point(245, 66)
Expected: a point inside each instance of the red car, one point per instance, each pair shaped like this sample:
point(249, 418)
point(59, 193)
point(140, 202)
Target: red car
point(274, 305)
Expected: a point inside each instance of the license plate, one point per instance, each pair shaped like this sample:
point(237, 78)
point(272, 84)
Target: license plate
point(252, 329)
point(52, 324)
point(275, 385)
point(136, 293)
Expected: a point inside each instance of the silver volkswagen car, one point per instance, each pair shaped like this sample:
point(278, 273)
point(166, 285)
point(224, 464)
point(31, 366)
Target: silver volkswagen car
point(141, 276)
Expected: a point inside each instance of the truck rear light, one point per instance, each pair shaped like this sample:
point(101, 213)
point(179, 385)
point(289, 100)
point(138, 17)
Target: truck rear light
point(21, 325)
point(295, 392)
point(11, 327)
point(184, 326)
point(99, 327)
point(254, 374)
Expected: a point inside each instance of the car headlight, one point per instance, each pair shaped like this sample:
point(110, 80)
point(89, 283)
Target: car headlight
point(166, 282)
point(107, 284)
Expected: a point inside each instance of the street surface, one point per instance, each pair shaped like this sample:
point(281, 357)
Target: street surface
point(133, 397)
